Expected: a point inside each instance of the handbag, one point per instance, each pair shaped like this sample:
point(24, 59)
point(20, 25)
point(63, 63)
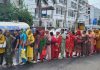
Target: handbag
point(3, 45)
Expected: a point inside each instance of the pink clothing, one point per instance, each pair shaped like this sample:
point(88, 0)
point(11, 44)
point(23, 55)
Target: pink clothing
point(49, 52)
point(91, 39)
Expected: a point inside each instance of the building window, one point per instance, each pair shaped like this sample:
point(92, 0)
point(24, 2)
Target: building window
point(88, 12)
point(58, 10)
point(80, 7)
point(62, 11)
point(57, 23)
point(73, 5)
point(71, 13)
point(62, 1)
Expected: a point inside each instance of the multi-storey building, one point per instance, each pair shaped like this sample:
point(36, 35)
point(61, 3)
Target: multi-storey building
point(63, 10)
point(94, 14)
point(53, 18)
point(74, 7)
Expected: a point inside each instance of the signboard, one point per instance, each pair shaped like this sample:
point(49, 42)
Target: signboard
point(95, 21)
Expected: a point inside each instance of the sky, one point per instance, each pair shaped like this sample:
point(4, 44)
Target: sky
point(95, 3)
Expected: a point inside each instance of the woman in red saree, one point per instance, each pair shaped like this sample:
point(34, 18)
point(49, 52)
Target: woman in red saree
point(59, 40)
point(54, 48)
point(69, 45)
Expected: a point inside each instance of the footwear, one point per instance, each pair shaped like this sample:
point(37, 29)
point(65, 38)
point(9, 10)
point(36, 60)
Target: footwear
point(34, 61)
point(22, 63)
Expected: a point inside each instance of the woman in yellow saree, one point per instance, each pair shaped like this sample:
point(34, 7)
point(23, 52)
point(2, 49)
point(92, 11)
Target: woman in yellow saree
point(30, 46)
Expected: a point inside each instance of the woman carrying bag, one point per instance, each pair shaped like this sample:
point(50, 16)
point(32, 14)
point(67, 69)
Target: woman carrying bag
point(2, 47)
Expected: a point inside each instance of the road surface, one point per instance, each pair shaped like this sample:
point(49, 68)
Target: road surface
point(83, 63)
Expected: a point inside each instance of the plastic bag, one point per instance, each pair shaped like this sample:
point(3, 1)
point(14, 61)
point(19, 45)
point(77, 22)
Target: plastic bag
point(23, 54)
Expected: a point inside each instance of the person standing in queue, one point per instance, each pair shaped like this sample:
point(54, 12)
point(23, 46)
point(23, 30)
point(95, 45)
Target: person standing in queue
point(63, 43)
point(2, 50)
point(59, 40)
point(69, 45)
point(16, 44)
point(53, 46)
point(48, 45)
point(9, 52)
point(78, 43)
point(42, 46)
point(22, 46)
point(97, 41)
point(36, 45)
point(30, 42)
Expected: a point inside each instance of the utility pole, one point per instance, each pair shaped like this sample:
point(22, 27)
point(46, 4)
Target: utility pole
point(39, 13)
point(77, 16)
point(65, 16)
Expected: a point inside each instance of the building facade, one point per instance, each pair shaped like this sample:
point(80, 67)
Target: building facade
point(94, 14)
point(64, 10)
point(50, 18)
point(74, 7)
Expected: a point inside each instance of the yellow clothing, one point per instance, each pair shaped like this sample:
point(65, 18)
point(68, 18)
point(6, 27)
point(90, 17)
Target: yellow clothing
point(30, 52)
point(28, 31)
point(23, 54)
point(30, 48)
point(98, 41)
point(2, 40)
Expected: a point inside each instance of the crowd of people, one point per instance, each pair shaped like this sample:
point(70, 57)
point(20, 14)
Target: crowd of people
point(28, 47)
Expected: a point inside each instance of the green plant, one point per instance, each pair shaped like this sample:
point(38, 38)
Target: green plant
point(10, 12)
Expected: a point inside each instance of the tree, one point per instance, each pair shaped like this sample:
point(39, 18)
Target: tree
point(39, 6)
point(25, 16)
point(8, 12)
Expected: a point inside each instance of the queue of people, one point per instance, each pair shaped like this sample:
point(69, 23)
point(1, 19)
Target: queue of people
point(27, 47)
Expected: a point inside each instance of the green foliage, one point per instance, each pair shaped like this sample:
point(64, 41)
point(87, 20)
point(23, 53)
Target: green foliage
point(10, 13)
point(25, 16)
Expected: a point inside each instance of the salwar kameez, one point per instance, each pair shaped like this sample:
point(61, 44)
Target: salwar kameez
point(62, 48)
point(42, 48)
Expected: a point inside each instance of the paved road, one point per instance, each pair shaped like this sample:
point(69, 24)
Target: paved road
point(84, 63)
